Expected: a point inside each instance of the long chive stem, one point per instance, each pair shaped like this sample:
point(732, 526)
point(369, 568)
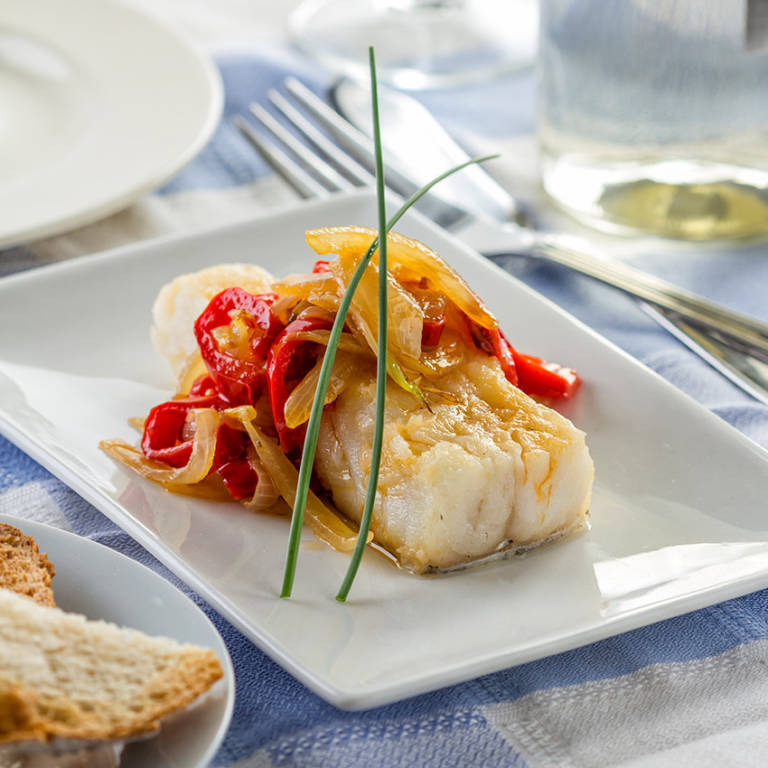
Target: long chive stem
point(381, 357)
point(315, 416)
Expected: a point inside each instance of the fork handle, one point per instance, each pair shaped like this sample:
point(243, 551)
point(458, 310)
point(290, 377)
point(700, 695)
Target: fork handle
point(571, 252)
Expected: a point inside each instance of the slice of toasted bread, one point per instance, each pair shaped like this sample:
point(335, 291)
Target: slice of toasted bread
point(63, 676)
point(23, 568)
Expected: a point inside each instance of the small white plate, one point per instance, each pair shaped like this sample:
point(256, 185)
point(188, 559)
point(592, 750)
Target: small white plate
point(101, 103)
point(100, 583)
point(678, 516)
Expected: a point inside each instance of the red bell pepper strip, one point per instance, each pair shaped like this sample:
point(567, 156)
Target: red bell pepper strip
point(321, 265)
point(239, 478)
point(287, 363)
point(433, 306)
point(203, 385)
point(230, 445)
point(431, 332)
point(163, 429)
point(493, 342)
point(505, 354)
point(239, 381)
point(537, 377)
point(531, 374)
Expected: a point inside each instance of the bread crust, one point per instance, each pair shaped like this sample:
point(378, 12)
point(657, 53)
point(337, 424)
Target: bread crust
point(64, 677)
point(25, 716)
point(17, 715)
point(23, 568)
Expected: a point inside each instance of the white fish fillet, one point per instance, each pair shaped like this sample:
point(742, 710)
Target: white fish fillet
point(495, 468)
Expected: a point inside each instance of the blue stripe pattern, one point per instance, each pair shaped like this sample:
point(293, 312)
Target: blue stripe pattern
point(274, 713)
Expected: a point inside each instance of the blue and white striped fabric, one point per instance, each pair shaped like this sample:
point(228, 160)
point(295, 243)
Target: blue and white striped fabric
point(687, 691)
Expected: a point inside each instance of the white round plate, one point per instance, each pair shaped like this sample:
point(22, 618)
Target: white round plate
point(101, 103)
point(102, 584)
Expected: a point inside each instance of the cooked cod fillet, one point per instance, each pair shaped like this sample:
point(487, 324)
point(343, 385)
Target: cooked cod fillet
point(491, 470)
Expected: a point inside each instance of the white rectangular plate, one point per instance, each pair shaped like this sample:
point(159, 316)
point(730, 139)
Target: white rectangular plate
point(678, 515)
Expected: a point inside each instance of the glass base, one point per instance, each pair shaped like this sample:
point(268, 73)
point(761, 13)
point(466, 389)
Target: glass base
point(683, 199)
point(419, 45)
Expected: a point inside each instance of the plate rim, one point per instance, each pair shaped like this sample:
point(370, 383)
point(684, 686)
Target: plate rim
point(364, 698)
point(25, 525)
point(213, 84)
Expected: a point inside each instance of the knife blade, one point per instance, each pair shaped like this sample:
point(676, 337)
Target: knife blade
point(745, 370)
point(420, 148)
point(412, 132)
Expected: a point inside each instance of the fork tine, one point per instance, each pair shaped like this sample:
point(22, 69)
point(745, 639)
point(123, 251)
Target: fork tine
point(344, 161)
point(354, 141)
point(346, 134)
point(299, 179)
point(308, 155)
point(328, 175)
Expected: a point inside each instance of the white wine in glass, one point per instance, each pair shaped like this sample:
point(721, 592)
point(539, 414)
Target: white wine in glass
point(420, 44)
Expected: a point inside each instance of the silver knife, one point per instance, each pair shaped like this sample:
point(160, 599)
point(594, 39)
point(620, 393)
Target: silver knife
point(420, 148)
point(744, 369)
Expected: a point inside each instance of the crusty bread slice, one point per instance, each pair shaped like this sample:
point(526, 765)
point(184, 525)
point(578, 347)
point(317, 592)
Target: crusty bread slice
point(23, 568)
point(64, 676)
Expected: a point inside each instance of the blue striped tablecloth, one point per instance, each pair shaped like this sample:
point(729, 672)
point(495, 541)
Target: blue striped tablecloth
point(688, 691)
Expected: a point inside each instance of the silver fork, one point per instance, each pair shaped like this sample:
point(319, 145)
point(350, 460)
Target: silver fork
point(735, 344)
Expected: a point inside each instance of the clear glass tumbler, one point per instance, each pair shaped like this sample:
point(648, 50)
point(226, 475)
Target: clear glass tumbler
point(420, 44)
point(653, 114)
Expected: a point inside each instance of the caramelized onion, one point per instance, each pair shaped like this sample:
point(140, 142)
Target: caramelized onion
point(405, 318)
point(203, 447)
point(447, 355)
point(409, 260)
point(323, 522)
point(321, 289)
point(299, 402)
point(137, 422)
point(212, 488)
point(347, 341)
point(266, 493)
point(302, 286)
point(193, 369)
point(283, 307)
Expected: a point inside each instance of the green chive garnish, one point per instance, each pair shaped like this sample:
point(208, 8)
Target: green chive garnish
point(381, 356)
point(315, 416)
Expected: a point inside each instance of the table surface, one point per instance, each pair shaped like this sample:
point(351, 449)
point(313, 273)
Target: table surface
point(688, 691)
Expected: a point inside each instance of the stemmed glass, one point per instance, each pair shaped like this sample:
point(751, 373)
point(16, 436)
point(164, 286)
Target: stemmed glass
point(420, 44)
